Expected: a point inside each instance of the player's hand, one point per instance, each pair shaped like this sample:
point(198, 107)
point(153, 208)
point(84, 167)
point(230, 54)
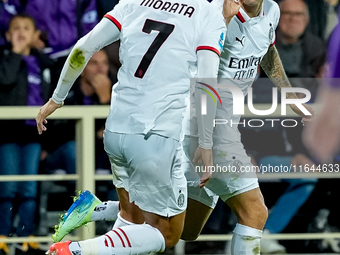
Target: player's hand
point(204, 156)
point(230, 9)
point(102, 86)
point(46, 110)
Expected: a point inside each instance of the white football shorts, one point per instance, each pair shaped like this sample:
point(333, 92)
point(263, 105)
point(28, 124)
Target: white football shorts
point(149, 168)
point(233, 173)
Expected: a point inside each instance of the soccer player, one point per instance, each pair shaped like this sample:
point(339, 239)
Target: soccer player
point(161, 41)
point(322, 136)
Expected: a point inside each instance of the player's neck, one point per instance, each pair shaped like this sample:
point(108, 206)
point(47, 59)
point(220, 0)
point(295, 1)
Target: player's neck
point(252, 10)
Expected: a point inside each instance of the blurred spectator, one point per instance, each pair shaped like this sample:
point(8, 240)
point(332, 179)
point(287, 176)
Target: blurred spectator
point(62, 23)
point(94, 84)
point(323, 136)
point(23, 74)
point(92, 88)
point(322, 15)
point(318, 17)
point(302, 53)
point(8, 8)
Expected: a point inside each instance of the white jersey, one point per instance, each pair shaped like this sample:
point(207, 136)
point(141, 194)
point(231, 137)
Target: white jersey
point(159, 40)
point(247, 41)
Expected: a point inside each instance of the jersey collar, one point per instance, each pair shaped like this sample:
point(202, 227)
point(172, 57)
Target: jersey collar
point(243, 16)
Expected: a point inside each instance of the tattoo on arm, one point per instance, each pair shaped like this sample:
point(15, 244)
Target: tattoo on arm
point(273, 67)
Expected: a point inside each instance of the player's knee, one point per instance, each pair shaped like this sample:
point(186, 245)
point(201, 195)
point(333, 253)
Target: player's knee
point(254, 216)
point(259, 211)
point(260, 215)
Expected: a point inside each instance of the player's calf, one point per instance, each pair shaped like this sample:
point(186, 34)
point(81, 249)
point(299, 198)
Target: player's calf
point(170, 227)
point(194, 221)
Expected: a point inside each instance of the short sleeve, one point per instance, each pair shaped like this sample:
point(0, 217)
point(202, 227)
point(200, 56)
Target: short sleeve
point(117, 14)
point(213, 34)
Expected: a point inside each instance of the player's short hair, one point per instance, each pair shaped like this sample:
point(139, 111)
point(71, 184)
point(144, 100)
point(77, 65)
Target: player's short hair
point(23, 16)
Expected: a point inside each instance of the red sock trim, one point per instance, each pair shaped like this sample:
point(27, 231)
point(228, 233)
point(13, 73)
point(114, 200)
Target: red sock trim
point(121, 239)
point(127, 239)
point(110, 240)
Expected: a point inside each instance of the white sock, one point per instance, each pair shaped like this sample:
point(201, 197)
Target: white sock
point(120, 222)
point(75, 248)
point(106, 211)
point(127, 240)
point(246, 240)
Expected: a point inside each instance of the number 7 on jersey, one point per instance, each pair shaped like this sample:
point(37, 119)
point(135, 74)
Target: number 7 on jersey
point(165, 30)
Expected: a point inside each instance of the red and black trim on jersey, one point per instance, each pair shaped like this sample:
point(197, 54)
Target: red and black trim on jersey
point(209, 48)
point(273, 42)
point(243, 16)
point(118, 25)
point(240, 17)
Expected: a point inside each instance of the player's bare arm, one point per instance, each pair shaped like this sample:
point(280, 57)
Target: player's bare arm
point(273, 67)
